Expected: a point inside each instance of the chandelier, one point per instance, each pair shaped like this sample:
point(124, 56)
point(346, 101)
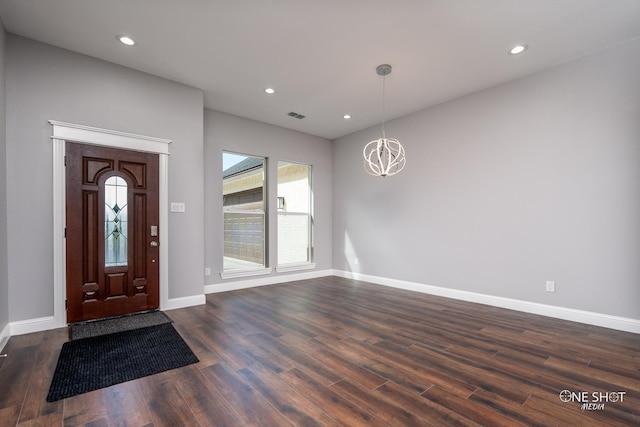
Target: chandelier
point(383, 156)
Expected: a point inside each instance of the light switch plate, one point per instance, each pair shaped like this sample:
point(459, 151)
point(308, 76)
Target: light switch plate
point(177, 207)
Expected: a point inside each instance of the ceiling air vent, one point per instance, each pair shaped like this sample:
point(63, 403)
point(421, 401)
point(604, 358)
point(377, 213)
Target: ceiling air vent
point(296, 115)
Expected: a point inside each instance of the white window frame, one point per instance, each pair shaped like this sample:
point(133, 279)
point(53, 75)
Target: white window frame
point(306, 265)
point(254, 271)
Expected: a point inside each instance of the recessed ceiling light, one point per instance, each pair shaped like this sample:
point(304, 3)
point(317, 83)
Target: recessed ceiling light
point(518, 49)
point(270, 90)
point(126, 40)
point(347, 116)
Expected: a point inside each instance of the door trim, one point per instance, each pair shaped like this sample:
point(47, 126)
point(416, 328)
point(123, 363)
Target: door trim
point(63, 132)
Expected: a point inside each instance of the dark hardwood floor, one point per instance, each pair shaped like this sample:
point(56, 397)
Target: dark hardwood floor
point(332, 351)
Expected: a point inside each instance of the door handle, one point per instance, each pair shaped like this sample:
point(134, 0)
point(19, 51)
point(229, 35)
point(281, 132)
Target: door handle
point(154, 244)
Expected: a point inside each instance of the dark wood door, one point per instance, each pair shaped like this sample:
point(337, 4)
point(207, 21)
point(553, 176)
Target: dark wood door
point(112, 233)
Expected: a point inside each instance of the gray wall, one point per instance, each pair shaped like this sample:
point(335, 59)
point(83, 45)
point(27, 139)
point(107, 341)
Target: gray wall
point(224, 132)
point(534, 180)
point(4, 285)
point(44, 82)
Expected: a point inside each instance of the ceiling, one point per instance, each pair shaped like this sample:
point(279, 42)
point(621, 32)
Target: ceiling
point(320, 55)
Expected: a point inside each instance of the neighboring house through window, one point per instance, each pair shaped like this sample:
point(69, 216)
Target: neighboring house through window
point(243, 192)
point(294, 214)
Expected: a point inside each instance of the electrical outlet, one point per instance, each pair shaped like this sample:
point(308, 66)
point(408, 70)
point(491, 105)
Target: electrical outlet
point(551, 286)
point(355, 262)
point(207, 271)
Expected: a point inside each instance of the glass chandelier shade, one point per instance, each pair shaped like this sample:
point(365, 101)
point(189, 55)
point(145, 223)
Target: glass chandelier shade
point(383, 156)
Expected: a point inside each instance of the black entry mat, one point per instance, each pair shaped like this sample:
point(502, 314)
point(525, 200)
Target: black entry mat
point(92, 363)
point(117, 324)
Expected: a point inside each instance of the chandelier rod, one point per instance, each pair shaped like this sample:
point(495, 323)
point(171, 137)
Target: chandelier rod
point(384, 78)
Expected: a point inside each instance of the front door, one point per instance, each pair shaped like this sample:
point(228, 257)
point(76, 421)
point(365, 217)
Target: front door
point(111, 233)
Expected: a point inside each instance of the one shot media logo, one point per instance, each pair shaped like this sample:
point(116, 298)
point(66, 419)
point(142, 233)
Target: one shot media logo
point(592, 401)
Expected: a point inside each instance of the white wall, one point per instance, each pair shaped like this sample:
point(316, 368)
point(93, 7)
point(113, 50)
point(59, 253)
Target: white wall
point(43, 83)
point(534, 180)
point(4, 286)
point(225, 132)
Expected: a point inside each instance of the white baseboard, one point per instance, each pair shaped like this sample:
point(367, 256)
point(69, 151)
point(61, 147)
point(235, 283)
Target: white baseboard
point(46, 323)
point(271, 280)
point(4, 336)
point(581, 316)
point(22, 327)
point(174, 303)
point(591, 318)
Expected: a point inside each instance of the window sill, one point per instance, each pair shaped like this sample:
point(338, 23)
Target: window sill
point(233, 274)
point(295, 267)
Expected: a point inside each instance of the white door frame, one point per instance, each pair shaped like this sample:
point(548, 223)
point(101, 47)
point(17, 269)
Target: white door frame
point(63, 132)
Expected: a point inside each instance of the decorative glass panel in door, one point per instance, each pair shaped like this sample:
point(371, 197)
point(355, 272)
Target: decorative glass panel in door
point(115, 222)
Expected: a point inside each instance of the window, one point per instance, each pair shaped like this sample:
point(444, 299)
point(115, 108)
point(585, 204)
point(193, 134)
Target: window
point(243, 204)
point(294, 214)
point(115, 222)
